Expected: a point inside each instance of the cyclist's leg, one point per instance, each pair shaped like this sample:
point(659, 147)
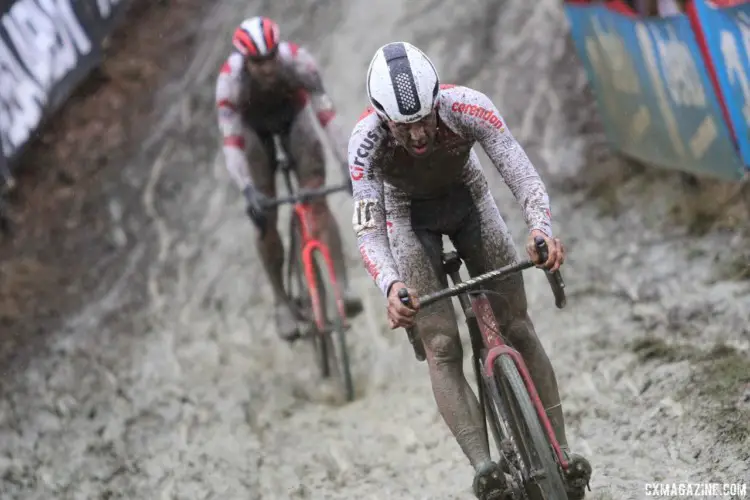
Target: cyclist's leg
point(485, 243)
point(417, 252)
point(307, 150)
point(261, 159)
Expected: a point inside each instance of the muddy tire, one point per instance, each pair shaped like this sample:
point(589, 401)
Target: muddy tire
point(541, 474)
point(333, 341)
point(299, 296)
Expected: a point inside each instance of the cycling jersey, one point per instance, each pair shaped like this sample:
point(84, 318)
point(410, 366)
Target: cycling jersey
point(380, 167)
point(242, 105)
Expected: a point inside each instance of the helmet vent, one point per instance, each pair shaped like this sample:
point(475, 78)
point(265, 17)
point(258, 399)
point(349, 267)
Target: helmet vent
point(402, 79)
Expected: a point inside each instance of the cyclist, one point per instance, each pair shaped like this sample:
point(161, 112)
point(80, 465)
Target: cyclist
point(268, 86)
point(416, 178)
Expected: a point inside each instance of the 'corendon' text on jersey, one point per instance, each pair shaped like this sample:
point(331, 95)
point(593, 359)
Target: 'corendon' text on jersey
point(46, 43)
point(472, 110)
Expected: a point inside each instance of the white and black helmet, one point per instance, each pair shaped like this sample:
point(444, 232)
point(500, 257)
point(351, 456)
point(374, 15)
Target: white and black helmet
point(402, 83)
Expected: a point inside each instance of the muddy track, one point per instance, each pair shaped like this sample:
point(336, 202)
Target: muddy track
point(193, 396)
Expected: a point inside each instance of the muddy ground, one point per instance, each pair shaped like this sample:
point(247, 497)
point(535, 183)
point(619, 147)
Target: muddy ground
point(155, 371)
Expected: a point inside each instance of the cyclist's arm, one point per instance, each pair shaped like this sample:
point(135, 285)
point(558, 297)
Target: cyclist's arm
point(368, 219)
point(230, 122)
point(481, 119)
point(321, 103)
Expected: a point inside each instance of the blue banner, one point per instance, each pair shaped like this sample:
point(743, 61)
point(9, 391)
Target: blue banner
point(727, 32)
point(654, 93)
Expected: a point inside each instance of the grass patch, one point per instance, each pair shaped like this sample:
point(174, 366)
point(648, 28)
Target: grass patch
point(722, 375)
point(605, 194)
point(719, 375)
point(696, 253)
point(736, 268)
point(604, 187)
point(656, 349)
point(708, 204)
point(726, 370)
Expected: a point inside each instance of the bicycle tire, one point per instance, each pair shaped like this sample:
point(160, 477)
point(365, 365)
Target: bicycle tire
point(299, 295)
point(496, 415)
point(534, 450)
point(329, 303)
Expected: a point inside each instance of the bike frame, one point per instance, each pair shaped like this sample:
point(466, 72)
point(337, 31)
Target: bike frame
point(302, 211)
point(479, 315)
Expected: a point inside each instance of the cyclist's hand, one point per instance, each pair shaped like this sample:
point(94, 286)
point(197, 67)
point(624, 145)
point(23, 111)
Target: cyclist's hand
point(400, 315)
point(555, 249)
point(255, 207)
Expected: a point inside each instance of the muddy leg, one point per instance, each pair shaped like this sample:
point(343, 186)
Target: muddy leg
point(307, 150)
point(270, 248)
point(419, 259)
point(485, 243)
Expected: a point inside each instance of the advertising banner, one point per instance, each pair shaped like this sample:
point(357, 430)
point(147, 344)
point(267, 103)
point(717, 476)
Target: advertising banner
point(47, 48)
point(654, 93)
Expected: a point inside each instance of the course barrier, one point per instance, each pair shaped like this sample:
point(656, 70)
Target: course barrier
point(727, 34)
point(47, 48)
point(654, 88)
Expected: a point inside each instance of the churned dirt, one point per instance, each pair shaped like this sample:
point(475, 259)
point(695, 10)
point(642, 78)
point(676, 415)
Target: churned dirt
point(72, 187)
point(163, 377)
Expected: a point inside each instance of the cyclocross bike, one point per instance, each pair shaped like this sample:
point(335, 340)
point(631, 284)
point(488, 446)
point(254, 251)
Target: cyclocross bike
point(310, 280)
point(526, 445)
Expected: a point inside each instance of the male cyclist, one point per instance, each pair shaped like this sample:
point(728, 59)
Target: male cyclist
point(266, 87)
point(416, 178)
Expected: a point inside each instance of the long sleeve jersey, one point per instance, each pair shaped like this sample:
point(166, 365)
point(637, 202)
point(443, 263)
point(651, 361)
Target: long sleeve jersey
point(465, 117)
point(243, 104)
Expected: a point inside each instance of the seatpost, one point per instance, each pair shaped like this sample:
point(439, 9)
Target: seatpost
point(282, 162)
point(451, 267)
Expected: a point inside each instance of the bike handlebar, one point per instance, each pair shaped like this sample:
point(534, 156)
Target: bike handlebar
point(304, 196)
point(555, 280)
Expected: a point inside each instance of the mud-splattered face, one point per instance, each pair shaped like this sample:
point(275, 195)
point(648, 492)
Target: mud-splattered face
point(264, 71)
point(417, 138)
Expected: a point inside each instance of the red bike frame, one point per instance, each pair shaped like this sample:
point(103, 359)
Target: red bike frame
point(496, 348)
point(309, 244)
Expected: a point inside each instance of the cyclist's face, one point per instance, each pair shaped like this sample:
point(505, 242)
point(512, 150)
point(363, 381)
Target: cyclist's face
point(264, 71)
point(417, 138)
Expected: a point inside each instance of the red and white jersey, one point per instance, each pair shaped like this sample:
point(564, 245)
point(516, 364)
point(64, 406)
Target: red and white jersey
point(243, 104)
point(465, 117)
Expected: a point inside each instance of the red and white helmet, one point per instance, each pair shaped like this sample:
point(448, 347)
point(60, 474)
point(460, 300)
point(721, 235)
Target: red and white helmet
point(257, 37)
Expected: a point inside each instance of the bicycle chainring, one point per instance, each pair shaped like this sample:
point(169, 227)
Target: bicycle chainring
point(512, 467)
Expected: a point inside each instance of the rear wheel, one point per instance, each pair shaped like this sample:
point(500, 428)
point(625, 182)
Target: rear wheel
point(334, 336)
point(542, 477)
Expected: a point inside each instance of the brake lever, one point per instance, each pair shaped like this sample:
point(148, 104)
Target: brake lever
point(414, 340)
point(554, 278)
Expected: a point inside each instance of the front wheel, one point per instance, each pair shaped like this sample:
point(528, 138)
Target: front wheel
point(334, 335)
point(298, 291)
point(541, 474)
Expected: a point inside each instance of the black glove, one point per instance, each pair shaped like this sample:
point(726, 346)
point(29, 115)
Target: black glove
point(255, 207)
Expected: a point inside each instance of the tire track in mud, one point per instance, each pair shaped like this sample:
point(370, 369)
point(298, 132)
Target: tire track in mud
point(195, 397)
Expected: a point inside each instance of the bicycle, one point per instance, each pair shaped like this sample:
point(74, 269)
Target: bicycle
point(528, 449)
point(310, 280)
